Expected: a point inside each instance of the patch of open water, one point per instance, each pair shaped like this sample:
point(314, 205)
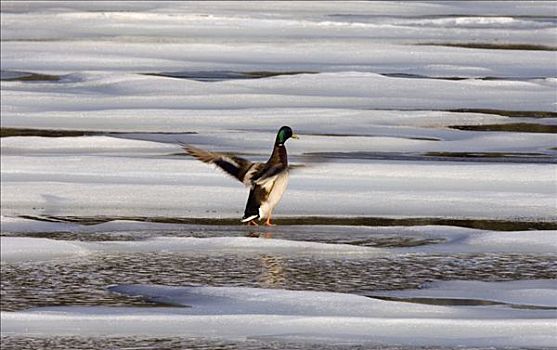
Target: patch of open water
point(83, 281)
point(67, 343)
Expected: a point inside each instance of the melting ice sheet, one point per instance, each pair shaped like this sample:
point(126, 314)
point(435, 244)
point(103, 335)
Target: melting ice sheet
point(522, 293)
point(248, 313)
point(448, 240)
point(38, 249)
point(378, 36)
point(105, 176)
point(348, 89)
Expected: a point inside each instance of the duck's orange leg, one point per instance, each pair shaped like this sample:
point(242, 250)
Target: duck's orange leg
point(252, 223)
point(268, 221)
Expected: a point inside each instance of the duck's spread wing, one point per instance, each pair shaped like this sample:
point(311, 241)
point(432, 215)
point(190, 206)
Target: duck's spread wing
point(240, 168)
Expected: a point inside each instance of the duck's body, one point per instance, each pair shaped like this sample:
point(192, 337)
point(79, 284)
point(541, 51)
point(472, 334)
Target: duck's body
point(267, 181)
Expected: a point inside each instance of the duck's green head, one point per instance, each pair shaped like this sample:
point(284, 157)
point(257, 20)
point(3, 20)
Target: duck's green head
point(284, 134)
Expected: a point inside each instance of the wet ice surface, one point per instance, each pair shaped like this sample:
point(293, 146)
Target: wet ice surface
point(84, 281)
point(404, 121)
point(532, 293)
point(366, 262)
point(262, 313)
point(71, 343)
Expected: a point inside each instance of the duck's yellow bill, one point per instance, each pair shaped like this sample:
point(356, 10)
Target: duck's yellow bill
point(294, 136)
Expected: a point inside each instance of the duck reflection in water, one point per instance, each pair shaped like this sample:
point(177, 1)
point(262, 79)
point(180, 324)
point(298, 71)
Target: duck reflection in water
point(272, 274)
point(258, 234)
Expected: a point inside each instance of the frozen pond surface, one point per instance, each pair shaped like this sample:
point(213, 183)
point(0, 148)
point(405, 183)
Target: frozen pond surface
point(420, 212)
point(78, 281)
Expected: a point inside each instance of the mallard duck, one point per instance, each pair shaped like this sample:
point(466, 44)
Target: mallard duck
point(267, 181)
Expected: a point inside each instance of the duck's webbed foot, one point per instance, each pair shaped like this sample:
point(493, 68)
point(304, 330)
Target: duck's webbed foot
point(253, 223)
